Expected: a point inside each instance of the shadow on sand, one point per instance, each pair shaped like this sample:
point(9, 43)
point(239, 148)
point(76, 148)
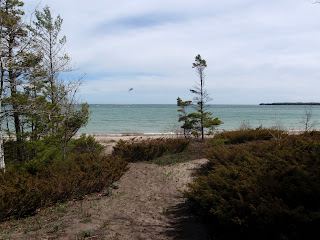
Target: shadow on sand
point(185, 225)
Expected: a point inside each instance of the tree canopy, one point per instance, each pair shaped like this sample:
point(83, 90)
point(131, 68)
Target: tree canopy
point(36, 102)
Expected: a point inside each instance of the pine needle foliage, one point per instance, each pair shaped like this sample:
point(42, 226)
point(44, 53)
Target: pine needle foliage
point(200, 120)
point(262, 189)
point(248, 135)
point(135, 150)
point(37, 184)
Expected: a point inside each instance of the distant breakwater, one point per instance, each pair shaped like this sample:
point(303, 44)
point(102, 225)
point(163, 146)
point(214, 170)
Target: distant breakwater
point(293, 103)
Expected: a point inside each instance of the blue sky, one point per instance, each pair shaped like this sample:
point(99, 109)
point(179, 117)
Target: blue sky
point(256, 51)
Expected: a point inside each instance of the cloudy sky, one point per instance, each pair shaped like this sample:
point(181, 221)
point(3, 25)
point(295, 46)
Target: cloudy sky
point(256, 51)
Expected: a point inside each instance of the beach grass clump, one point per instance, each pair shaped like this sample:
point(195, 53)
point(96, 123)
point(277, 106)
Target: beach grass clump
point(145, 150)
point(246, 135)
point(261, 190)
point(35, 184)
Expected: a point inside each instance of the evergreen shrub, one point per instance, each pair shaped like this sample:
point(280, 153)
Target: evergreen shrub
point(247, 135)
point(38, 183)
point(49, 149)
point(144, 150)
point(24, 191)
point(261, 190)
point(85, 144)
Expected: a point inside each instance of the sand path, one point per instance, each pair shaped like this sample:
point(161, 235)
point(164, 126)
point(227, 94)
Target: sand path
point(147, 205)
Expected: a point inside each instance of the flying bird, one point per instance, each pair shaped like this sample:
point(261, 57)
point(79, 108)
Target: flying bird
point(130, 89)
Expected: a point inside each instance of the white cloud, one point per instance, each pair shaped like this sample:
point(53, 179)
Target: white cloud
point(260, 48)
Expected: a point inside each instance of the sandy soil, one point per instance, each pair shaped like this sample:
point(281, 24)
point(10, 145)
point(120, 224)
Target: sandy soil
point(148, 204)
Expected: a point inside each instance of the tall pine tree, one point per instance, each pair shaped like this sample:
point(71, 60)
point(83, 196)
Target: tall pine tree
point(198, 121)
point(202, 118)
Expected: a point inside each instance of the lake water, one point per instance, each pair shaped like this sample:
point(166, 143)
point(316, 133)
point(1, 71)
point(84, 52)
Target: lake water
point(110, 119)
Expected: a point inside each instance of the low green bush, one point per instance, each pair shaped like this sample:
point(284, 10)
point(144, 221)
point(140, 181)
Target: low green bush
point(216, 141)
point(144, 150)
point(84, 144)
point(36, 185)
point(262, 190)
point(46, 177)
point(44, 150)
point(47, 150)
point(248, 135)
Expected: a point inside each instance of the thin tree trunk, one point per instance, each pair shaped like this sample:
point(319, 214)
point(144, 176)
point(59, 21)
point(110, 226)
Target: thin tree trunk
point(13, 90)
point(2, 162)
point(52, 80)
point(201, 105)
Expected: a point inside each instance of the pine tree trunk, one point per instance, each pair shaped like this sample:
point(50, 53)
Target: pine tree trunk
point(201, 104)
point(13, 90)
point(2, 162)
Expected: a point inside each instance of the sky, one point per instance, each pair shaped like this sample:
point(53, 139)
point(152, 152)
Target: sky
point(256, 51)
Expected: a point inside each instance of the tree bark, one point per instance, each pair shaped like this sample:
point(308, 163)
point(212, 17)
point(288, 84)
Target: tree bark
point(13, 89)
point(2, 162)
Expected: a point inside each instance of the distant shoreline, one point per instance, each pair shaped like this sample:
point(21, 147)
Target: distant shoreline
point(293, 103)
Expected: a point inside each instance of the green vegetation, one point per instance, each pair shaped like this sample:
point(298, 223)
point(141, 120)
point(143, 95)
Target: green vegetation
point(196, 122)
point(255, 188)
point(32, 185)
point(38, 105)
point(87, 234)
point(194, 150)
point(259, 184)
point(172, 158)
point(184, 116)
point(136, 150)
point(248, 135)
point(40, 163)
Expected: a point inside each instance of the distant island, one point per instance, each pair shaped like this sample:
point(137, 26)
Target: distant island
point(292, 103)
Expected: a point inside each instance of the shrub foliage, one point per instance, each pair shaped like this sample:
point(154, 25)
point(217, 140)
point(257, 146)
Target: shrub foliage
point(85, 144)
point(35, 184)
point(144, 150)
point(262, 189)
point(248, 135)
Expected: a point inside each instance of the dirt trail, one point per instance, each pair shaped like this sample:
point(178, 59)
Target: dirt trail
point(147, 205)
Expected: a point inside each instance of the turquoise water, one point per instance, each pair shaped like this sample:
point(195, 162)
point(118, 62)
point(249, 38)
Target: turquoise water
point(111, 119)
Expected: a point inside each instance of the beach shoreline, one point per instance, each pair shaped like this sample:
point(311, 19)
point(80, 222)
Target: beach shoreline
point(110, 140)
point(162, 135)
